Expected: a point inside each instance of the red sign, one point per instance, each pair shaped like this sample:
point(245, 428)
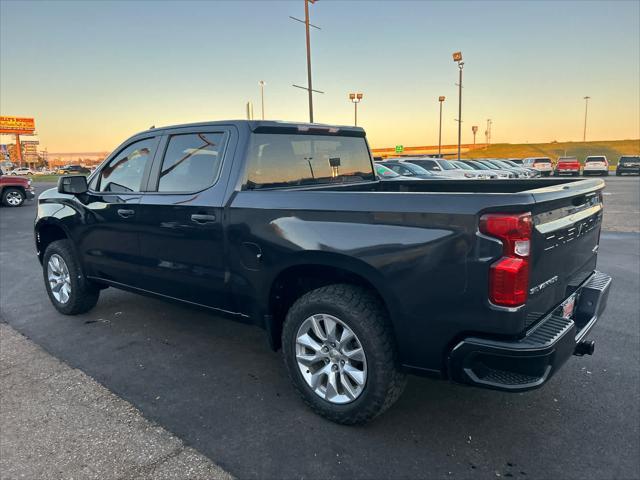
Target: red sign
point(21, 124)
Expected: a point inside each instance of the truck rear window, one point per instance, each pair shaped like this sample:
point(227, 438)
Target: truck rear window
point(283, 160)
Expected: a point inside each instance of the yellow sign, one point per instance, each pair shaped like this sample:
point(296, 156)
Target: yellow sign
point(17, 123)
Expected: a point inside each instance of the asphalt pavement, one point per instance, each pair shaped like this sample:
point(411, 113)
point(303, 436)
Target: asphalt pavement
point(59, 423)
point(217, 386)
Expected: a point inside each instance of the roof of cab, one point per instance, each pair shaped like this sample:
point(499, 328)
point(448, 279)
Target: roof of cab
point(273, 126)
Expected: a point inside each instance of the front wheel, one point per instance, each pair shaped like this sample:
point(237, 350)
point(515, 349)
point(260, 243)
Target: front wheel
point(13, 197)
point(340, 354)
point(69, 291)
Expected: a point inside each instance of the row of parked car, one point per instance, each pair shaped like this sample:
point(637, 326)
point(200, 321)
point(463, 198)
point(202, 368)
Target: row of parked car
point(438, 168)
point(593, 165)
point(425, 168)
point(64, 170)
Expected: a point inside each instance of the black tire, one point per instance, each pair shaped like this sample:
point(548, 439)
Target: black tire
point(13, 197)
point(363, 312)
point(84, 295)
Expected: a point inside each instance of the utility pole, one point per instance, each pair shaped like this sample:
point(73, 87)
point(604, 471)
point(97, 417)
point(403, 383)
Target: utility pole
point(586, 106)
point(457, 57)
point(356, 98)
point(262, 83)
point(487, 132)
point(309, 87)
point(441, 99)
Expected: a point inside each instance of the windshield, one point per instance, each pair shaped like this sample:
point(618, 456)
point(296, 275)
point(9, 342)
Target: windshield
point(385, 172)
point(596, 159)
point(447, 165)
point(502, 164)
point(462, 165)
point(417, 169)
point(477, 165)
point(542, 160)
point(629, 159)
point(494, 164)
point(511, 163)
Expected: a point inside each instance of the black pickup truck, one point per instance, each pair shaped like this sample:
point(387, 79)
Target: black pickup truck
point(285, 226)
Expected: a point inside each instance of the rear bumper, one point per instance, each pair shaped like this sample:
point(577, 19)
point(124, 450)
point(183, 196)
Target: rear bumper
point(635, 170)
point(529, 362)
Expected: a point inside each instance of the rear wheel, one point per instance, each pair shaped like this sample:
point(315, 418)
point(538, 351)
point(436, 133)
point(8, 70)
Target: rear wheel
point(13, 197)
point(69, 291)
point(339, 351)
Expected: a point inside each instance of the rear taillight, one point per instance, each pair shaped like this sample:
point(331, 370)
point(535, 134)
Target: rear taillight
point(509, 276)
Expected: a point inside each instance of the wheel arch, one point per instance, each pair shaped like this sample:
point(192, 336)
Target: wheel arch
point(314, 270)
point(48, 230)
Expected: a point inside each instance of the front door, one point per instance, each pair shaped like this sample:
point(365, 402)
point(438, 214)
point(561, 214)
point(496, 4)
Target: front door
point(109, 242)
point(182, 236)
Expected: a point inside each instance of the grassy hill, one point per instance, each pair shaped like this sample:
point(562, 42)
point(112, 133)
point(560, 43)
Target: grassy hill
point(612, 149)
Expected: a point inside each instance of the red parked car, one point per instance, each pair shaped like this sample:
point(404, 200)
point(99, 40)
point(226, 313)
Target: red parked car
point(568, 166)
point(15, 190)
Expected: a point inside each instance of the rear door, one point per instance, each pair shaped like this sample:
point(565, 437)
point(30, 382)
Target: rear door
point(182, 237)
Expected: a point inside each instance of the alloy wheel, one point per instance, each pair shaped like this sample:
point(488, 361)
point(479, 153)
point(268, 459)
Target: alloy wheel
point(331, 359)
point(14, 198)
point(59, 278)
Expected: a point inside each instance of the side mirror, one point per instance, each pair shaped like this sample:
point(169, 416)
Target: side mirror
point(437, 168)
point(73, 184)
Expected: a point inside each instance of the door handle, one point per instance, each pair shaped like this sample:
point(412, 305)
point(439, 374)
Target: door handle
point(124, 213)
point(202, 219)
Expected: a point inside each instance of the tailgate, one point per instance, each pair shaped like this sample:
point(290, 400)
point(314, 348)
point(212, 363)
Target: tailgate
point(564, 242)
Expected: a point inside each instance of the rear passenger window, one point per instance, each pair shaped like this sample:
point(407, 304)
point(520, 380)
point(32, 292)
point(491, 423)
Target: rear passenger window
point(192, 162)
point(125, 172)
point(282, 160)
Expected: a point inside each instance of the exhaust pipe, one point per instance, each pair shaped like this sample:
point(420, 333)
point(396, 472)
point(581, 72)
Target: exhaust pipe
point(585, 347)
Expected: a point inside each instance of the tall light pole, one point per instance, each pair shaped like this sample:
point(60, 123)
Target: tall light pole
point(441, 100)
point(355, 98)
point(262, 83)
point(586, 106)
point(309, 87)
point(457, 57)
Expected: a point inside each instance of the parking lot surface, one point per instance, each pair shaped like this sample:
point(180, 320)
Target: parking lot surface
point(216, 385)
point(59, 423)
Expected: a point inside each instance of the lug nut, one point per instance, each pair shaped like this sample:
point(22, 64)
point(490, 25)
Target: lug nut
point(325, 349)
point(341, 362)
point(334, 367)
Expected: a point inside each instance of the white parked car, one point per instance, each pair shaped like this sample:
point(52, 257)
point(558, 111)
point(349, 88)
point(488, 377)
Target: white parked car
point(542, 164)
point(596, 165)
point(21, 171)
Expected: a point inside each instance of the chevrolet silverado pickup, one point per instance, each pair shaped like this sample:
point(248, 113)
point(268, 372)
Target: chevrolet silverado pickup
point(490, 283)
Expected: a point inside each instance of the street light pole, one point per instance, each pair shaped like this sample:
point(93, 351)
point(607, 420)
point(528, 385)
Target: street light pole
point(355, 98)
point(474, 129)
point(441, 99)
point(309, 87)
point(262, 83)
point(586, 106)
point(457, 57)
